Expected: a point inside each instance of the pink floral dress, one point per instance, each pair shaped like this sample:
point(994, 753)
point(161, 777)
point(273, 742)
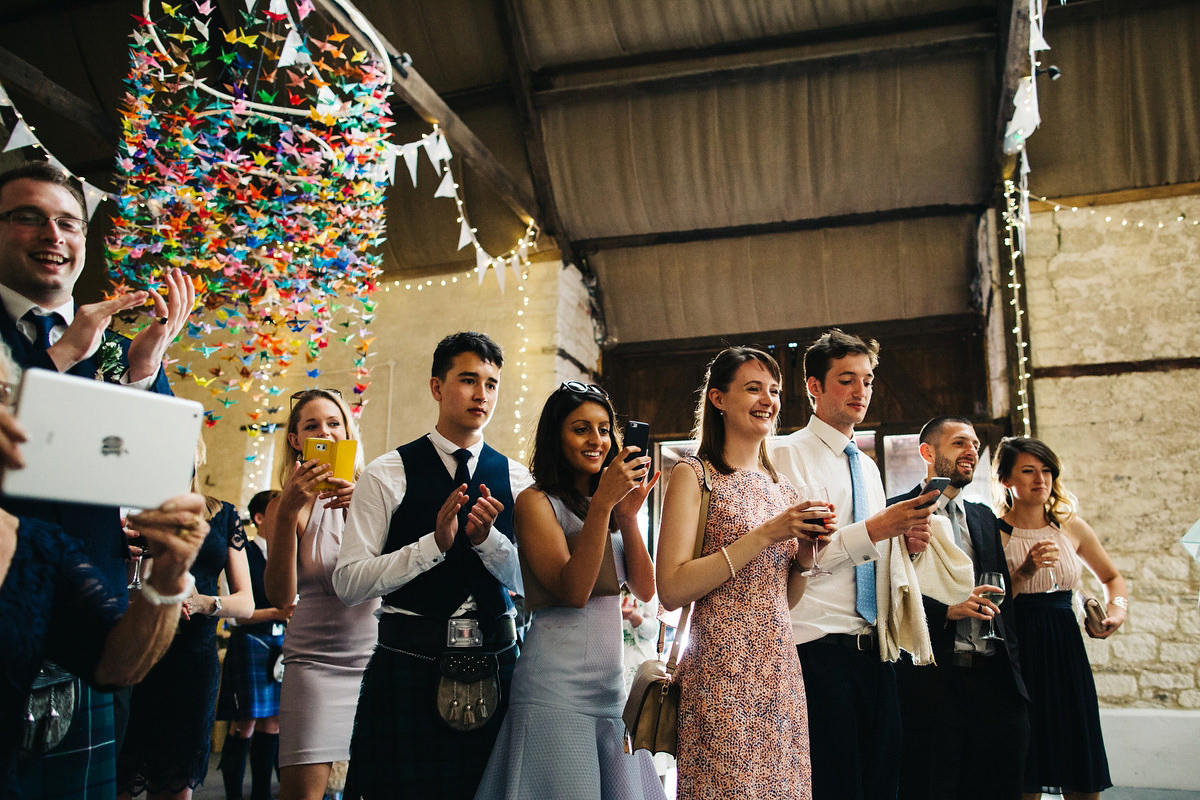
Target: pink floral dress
point(743, 717)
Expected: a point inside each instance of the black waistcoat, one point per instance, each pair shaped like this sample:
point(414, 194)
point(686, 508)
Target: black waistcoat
point(439, 591)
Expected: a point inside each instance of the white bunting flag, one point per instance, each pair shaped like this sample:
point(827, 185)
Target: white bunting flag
point(21, 137)
point(446, 187)
point(411, 151)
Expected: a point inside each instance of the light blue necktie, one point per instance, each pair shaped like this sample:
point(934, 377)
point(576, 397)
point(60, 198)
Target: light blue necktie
point(864, 574)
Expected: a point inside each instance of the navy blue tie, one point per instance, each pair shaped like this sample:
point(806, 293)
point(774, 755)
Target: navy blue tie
point(864, 574)
point(42, 325)
point(462, 475)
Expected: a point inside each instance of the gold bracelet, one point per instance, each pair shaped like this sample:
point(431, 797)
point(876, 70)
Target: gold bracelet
point(729, 561)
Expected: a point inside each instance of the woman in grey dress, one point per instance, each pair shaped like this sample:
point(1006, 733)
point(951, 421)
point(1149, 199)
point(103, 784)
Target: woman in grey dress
point(327, 644)
point(579, 541)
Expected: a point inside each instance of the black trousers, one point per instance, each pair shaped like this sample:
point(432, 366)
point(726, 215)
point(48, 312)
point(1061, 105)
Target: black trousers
point(853, 722)
point(966, 730)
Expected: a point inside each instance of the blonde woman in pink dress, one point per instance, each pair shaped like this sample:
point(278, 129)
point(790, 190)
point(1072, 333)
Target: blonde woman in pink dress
point(328, 644)
point(743, 730)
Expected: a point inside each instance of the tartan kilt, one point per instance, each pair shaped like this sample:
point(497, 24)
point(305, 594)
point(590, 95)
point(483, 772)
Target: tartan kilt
point(247, 692)
point(84, 765)
point(400, 741)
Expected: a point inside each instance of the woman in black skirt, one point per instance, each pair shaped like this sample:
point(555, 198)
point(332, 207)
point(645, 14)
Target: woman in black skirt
point(1047, 545)
point(172, 711)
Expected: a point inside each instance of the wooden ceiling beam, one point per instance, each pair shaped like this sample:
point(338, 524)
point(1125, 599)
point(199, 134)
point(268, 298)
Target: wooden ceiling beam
point(88, 117)
point(700, 75)
point(512, 36)
point(598, 244)
point(1013, 66)
point(968, 15)
point(412, 89)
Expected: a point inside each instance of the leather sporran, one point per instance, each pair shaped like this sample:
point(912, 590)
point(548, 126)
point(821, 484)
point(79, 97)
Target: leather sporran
point(275, 663)
point(49, 710)
point(468, 691)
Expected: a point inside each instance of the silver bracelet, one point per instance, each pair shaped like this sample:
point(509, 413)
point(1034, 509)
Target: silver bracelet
point(1120, 600)
point(155, 598)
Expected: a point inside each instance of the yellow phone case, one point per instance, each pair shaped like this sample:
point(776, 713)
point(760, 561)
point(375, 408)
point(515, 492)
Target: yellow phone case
point(339, 455)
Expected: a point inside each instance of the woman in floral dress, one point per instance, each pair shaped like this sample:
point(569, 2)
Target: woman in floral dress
point(743, 730)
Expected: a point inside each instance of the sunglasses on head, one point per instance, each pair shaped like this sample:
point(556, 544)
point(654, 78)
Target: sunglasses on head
point(583, 388)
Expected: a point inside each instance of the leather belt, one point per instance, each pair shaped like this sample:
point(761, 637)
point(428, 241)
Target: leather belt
point(427, 636)
point(864, 642)
point(970, 660)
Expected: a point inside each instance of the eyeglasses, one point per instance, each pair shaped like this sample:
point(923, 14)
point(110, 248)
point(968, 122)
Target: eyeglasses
point(36, 219)
point(583, 388)
point(307, 393)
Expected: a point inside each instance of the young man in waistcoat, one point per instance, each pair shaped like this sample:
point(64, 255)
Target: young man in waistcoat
point(430, 531)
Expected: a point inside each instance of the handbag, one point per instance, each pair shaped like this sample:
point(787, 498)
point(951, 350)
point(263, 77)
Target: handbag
point(651, 714)
point(49, 709)
point(468, 690)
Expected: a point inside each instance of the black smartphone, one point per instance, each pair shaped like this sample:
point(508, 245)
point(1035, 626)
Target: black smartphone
point(934, 485)
point(637, 434)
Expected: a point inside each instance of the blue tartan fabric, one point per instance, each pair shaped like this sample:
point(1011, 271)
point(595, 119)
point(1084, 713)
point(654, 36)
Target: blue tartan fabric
point(83, 766)
point(247, 691)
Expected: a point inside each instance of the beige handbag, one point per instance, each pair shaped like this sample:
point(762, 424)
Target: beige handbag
point(651, 713)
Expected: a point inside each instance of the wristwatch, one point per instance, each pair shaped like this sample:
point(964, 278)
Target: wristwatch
point(216, 606)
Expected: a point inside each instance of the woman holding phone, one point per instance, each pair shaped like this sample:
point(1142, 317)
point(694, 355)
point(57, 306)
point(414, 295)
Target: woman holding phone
point(328, 643)
point(743, 728)
point(1047, 545)
point(577, 528)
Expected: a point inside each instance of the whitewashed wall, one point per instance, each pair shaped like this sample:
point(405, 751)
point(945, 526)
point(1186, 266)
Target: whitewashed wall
point(1103, 289)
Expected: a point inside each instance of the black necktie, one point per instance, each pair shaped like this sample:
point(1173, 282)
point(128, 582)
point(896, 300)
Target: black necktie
point(42, 325)
point(463, 475)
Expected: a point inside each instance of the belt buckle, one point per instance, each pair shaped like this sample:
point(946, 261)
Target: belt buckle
point(863, 638)
point(463, 632)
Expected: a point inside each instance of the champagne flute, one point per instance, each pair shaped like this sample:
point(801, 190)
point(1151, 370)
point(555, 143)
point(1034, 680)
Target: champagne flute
point(1053, 577)
point(993, 579)
point(816, 493)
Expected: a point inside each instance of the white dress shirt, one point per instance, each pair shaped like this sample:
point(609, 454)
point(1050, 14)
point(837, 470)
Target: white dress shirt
point(18, 305)
point(364, 571)
point(815, 454)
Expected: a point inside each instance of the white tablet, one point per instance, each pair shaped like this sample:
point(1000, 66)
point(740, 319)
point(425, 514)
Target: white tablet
point(96, 442)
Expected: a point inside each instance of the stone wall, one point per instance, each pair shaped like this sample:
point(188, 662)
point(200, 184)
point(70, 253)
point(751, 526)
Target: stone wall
point(1112, 284)
point(531, 321)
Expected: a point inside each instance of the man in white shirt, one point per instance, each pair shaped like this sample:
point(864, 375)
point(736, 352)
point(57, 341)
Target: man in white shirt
point(853, 707)
point(974, 678)
point(430, 531)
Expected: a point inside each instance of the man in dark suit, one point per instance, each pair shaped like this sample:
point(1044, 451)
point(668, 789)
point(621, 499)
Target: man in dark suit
point(43, 227)
point(966, 719)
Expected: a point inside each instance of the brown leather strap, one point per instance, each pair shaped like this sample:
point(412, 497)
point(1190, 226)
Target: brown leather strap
point(705, 496)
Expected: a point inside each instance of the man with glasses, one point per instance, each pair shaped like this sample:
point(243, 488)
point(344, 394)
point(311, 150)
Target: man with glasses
point(430, 531)
point(43, 224)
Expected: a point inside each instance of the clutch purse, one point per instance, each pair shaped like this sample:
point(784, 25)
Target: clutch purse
point(1093, 616)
